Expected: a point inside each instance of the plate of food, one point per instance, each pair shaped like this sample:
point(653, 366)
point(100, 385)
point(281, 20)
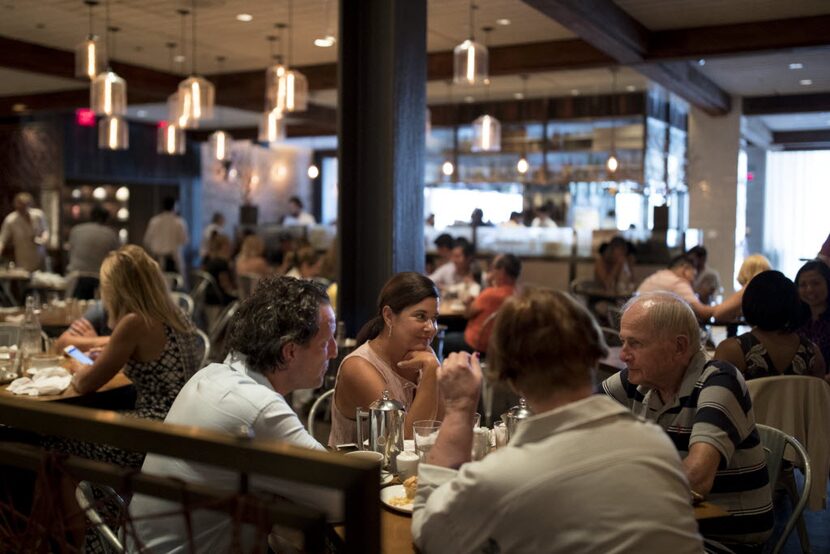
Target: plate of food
point(400, 497)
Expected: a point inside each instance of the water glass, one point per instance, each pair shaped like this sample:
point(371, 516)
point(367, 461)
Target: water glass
point(425, 433)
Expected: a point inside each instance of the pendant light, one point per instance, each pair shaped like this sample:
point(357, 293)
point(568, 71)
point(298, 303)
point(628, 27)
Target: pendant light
point(486, 128)
point(108, 92)
point(522, 166)
point(274, 73)
point(470, 59)
point(448, 167)
point(286, 89)
point(272, 127)
point(170, 136)
point(196, 94)
point(612, 163)
point(90, 55)
point(113, 133)
point(219, 141)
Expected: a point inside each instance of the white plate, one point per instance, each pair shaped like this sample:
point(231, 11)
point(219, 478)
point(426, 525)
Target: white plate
point(386, 477)
point(388, 493)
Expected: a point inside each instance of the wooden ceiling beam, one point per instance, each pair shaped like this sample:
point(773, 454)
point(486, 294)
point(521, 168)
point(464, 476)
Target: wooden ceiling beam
point(812, 139)
point(786, 104)
point(606, 26)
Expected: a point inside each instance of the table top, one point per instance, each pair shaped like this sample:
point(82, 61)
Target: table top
point(396, 528)
point(120, 380)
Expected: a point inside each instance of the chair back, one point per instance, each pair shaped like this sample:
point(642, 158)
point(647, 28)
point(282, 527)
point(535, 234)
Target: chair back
point(219, 328)
point(174, 280)
point(799, 406)
point(184, 301)
point(775, 442)
point(202, 282)
point(204, 343)
point(312, 413)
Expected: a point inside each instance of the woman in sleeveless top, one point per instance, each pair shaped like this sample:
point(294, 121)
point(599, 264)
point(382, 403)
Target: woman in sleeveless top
point(772, 306)
point(151, 339)
point(394, 354)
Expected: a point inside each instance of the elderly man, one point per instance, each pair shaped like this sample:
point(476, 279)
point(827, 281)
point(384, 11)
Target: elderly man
point(27, 231)
point(705, 409)
point(281, 339)
point(577, 477)
point(678, 278)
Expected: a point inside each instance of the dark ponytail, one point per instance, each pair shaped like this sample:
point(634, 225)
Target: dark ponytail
point(401, 291)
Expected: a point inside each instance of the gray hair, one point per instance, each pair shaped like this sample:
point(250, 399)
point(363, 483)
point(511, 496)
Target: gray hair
point(281, 310)
point(669, 315)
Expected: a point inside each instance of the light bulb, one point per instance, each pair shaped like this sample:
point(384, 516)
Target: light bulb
point(612, 164)
point(522, 166)
point(447, 168)
point(313, 171)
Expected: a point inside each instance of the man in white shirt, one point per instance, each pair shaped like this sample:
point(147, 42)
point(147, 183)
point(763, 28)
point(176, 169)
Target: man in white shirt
point(26, 229)
point(165, 236)
point(296, 215)
point(459, 276)
point(280, 339)
point(582, 475)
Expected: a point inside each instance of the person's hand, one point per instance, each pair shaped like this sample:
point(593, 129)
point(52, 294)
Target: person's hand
point(459, 380)
point(82, 328)
point(74, 366)
point(419, 360)
point(94, 352)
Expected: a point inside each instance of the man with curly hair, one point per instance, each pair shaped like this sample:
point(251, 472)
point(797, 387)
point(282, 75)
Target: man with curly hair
point(280, 339)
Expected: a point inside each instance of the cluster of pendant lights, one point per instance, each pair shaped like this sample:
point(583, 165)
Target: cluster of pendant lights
point(470, 67)
point(107, 91)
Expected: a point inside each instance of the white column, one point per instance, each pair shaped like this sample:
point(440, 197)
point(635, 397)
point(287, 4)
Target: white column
point(713, 185)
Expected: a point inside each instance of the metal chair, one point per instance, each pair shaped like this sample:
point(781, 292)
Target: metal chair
point(184, 301)
point(775, 442)
point(202, 282)
point(174, 280)
point(217, 331)
point(86, 497)
point(205, 349)
point(312, 413)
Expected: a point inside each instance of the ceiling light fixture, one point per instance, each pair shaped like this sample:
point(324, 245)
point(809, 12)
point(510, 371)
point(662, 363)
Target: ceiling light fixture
point(313, 171)
point(470, 59)
point(503, 21)
point(796, 65)
point(325, 42)
point(89, 55)
point(170, 137)
point(574, 92)
point(522, 166)
point(108, 91)
point(486, 128)
point(806, 82)
point(328, 40)
point(630, 88)
point(612, 164)
point(196, 94)
point(244, 17)
point(286, 89)
point(219, 142)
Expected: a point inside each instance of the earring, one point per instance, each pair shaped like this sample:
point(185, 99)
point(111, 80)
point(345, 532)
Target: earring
point(390, 331)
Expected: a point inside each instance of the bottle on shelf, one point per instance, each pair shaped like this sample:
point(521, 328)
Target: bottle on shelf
point(30, 342)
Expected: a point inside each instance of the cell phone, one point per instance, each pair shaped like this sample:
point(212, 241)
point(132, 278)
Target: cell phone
point(73, 352)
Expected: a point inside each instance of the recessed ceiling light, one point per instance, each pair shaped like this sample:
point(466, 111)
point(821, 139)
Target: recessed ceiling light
point(503, 21)
point(325, 42)
point(701, 61)
point(141, 113)
point(574, 92)
point(244, 17)
point(19, 108)
point(518, 95)
point(178, 58)
point(630, 88)
point(806, 82)
point(796, 65)
point(469, 99)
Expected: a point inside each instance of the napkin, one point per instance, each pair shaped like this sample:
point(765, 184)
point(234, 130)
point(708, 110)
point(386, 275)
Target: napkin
point(46, 381)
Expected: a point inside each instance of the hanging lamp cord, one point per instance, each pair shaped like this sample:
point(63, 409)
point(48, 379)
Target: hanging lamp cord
point(193, 37)
point(290, 32)
point(472, 22)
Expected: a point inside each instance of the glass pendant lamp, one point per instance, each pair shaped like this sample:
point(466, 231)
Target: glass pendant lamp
point(470, 59)
point(272, 127)
point(90, 59)
point(612, 163)
point(108, 94)
point(286, 89)
point(113, 133)
point(196, 94)
point(486, 134)
point(170, 139)
point(220, 146)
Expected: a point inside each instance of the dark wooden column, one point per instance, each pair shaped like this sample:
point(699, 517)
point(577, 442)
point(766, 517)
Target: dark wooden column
point(381, 119)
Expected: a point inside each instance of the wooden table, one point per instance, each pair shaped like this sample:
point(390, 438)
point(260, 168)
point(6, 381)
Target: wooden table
point(119, 381)
point(396, 528)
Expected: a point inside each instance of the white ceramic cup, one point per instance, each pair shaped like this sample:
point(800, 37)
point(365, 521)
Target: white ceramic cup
point(407, 465)
point(369, 455)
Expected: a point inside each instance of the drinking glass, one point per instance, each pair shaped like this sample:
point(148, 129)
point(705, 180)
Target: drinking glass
point(425, 432)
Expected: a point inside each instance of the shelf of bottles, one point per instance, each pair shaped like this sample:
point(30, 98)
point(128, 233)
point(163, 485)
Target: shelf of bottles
point(79, 199)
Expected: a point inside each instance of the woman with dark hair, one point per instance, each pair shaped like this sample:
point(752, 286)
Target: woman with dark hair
point(393, 355)
point(813, 281)
point(772, 306)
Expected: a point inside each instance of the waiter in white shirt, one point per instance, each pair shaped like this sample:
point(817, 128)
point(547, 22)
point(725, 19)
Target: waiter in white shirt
point(26, 229)
point(296, 215)
point(165, 236)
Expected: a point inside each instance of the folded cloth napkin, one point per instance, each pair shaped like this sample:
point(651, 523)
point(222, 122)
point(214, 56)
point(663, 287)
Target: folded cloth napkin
point(46, 381)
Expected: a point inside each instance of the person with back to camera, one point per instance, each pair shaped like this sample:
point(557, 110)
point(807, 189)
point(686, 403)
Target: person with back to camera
point(583, 475)
point(394, 355)
point(772, 307)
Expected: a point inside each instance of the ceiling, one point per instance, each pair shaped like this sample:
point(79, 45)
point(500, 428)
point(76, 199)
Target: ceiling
point(146, 26)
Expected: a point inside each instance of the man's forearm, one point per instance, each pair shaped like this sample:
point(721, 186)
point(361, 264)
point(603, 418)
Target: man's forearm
point(455, 439)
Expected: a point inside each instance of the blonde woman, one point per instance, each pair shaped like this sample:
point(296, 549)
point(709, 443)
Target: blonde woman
point(152, 340)
point(250, 260)
point(751, 266)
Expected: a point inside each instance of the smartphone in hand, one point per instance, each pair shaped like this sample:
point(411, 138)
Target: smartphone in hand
point(73, 352)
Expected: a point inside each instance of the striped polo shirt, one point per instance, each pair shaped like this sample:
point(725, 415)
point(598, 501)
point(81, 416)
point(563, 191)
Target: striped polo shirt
point(713, 406)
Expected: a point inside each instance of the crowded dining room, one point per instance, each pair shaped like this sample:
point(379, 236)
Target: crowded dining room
point(399, 276)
